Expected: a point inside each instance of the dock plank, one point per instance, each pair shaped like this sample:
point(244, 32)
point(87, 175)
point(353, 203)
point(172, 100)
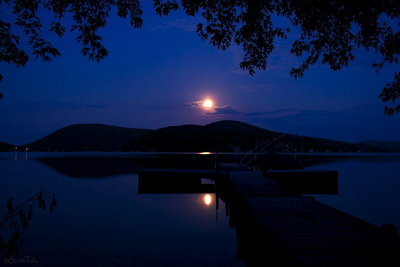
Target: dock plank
point(317, 234)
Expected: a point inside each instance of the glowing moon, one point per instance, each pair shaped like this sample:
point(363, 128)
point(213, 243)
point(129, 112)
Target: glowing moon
point(208, 104)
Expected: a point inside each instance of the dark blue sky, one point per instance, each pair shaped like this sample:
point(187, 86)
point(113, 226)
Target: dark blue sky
point(153, 76)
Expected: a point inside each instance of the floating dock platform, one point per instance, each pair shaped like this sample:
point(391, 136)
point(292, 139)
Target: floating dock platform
point(310, 233)
point(280, 222)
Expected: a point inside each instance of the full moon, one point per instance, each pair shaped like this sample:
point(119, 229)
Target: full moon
point(208, 104)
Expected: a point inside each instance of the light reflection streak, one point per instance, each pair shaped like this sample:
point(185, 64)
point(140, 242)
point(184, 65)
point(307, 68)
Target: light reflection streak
point(207, 199)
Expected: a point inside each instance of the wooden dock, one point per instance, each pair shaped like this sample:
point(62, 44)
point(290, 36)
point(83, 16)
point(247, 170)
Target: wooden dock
point(308, 232)
point(276, 225)
point(175, 181)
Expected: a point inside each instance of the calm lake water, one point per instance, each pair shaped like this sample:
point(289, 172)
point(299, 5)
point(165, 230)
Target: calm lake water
point(369, 188)
point(102, 220)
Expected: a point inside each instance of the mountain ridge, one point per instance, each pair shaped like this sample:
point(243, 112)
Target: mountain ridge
point(221, 136)
point(392, 146)
point(5, 147)
point(86, 137)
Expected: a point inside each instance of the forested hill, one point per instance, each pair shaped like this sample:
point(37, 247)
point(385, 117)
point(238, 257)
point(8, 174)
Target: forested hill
point(222, 136)
point(5, 147)
point(88, 137)
point(235, 136)
point(390, 146)
point(218, 136)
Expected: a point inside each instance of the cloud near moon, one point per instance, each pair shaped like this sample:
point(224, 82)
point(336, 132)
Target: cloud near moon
point(209, 107)
point(227, 110)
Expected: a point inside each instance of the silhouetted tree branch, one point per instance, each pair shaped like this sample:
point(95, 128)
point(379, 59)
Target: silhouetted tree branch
point(17, 218)
point(330, 31)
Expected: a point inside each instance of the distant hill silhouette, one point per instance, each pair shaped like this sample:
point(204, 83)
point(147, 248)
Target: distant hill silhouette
point(218, 136)
point(88, 137)
point(231, 136)
point(5, 147)
point(391, 146)
point(222, 136)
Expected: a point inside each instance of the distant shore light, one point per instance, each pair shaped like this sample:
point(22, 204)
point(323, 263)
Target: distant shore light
point(204, 153)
